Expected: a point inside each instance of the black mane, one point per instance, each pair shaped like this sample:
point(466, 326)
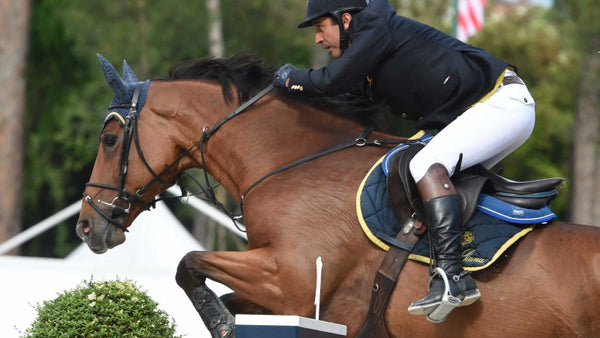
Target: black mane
point(250, 75)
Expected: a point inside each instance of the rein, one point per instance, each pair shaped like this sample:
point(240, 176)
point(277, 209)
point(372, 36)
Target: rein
point(206, 133)
point(125, 197)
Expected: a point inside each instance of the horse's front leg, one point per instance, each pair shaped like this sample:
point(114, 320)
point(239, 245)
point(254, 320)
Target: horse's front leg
point(251, 274)
point(215, 315)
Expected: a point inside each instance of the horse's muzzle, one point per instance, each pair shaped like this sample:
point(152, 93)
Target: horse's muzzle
point(100, 235)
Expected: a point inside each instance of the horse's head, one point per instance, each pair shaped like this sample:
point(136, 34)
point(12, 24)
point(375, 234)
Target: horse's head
point(132, 165)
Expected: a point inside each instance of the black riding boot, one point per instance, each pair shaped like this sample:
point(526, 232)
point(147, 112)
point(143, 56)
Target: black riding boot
point(442, 215)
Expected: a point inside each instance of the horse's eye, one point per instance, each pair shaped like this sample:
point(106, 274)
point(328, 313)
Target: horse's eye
point(109, 139)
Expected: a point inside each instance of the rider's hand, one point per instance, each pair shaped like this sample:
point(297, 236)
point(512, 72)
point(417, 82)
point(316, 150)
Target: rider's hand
point(281, 77)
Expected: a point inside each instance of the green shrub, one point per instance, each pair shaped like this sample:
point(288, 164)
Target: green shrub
point(115, 308)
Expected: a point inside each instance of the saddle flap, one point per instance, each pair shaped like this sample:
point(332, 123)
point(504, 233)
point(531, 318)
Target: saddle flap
point(468, 187)
point(402, 189)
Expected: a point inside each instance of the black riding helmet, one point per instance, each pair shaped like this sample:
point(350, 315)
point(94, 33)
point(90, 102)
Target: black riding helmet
point(318, 8)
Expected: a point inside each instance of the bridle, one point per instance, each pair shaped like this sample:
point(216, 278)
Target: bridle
point(121, 204)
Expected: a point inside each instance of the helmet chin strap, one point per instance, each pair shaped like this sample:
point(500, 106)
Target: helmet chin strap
point(344, 34)
point(344, 38)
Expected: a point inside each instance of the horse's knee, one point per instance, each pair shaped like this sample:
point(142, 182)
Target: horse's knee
point(187, 276)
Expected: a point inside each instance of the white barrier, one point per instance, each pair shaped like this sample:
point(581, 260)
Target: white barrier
point(72, 209)
point(285, 326)
point(208, 210)
point(37, 229)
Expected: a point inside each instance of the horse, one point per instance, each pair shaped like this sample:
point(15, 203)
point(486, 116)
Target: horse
point(547, 284)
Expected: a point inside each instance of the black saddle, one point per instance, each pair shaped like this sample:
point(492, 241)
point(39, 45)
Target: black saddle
point(469, 183)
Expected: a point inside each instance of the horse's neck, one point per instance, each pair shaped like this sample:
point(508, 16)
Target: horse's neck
point(270, 134)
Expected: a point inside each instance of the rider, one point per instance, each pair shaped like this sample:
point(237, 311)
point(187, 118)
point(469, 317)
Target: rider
point(482, 110)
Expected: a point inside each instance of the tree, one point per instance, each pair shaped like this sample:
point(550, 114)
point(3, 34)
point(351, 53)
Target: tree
point(59, 125)
point(436, 13)
point(543, 52)
point(215, 31)
point(585, 199)
point(14, 27)
point(67, 95)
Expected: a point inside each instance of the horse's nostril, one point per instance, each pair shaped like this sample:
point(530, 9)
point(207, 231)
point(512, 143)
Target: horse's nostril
point(85, 227)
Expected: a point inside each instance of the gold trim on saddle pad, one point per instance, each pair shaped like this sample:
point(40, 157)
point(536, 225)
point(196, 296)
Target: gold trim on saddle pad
point(466, 255)
point(361, 219)
point(359, 214)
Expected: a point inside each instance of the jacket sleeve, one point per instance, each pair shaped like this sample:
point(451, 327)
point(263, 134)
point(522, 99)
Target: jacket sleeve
point(370, 43)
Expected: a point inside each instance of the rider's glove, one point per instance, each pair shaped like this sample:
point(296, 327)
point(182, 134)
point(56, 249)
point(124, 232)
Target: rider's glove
point(282, 75)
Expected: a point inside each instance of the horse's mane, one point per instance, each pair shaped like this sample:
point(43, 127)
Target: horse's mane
point(250, 75)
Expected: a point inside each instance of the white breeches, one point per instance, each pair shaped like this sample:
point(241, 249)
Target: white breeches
point(485, 133)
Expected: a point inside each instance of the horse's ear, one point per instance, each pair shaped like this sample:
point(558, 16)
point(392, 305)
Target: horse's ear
point(128, 74)
point(114, 80)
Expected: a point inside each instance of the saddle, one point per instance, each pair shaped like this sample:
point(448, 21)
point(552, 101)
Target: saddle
point(469, 184)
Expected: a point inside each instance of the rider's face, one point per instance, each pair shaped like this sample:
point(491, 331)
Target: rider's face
point(327, 34)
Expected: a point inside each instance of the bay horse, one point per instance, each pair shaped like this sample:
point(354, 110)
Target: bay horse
point(547, 284)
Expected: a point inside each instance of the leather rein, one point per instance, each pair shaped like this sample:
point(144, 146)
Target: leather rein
point(121, 204)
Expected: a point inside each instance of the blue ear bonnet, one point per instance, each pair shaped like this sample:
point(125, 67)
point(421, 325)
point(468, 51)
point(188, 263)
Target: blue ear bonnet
point(119, 107)
point(123, 87)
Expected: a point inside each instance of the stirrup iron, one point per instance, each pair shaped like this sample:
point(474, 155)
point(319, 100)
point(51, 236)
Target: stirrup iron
point(448, 303)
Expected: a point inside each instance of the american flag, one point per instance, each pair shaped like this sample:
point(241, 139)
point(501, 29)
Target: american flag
point(469, 18)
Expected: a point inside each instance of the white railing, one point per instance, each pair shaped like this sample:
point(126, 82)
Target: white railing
point(73, 209)
point(209, 211)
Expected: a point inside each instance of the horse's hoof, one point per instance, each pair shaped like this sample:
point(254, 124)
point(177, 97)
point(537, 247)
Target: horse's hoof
point(217, 319)
point(224, 331)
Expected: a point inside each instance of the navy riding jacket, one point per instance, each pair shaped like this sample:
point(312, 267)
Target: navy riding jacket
point(420, 72)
